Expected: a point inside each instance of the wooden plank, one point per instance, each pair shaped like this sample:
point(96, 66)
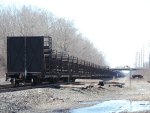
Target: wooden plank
point(90, 81)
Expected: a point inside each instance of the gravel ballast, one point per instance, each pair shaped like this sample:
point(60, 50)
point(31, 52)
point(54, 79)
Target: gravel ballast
point(43, 100)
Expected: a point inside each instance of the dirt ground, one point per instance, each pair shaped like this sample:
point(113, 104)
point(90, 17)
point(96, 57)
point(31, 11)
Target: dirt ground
point(46, 100)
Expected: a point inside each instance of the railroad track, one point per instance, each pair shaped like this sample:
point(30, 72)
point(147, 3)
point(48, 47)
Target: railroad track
point(9, 88)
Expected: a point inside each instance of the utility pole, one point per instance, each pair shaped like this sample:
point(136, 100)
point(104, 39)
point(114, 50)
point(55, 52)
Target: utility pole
point(136, 60)
point(139, 59)
point(130, 77)
point(141, 54)
point(149, 55)
point(143, 59)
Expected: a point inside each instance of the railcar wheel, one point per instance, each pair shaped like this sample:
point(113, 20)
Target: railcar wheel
point(14, 82)
point(34, 81)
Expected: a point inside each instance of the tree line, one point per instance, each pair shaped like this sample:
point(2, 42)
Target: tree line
point(30, 21)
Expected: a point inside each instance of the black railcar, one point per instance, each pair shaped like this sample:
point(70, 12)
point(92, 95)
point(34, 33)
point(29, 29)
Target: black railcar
point(31, 59)
point(25, 58)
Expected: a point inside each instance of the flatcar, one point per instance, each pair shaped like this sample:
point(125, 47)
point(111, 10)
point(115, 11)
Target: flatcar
point(30, 59)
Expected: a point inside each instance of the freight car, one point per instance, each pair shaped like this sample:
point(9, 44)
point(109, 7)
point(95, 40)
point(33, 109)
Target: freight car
point(30, 59)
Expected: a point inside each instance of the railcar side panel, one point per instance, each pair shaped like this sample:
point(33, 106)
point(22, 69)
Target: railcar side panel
point(34, 54)
point(15, 54)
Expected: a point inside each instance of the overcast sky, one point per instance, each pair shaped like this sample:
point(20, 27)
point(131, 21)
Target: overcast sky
point(116, 27)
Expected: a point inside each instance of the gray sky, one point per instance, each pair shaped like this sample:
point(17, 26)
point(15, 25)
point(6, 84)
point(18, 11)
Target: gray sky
point(116, 27)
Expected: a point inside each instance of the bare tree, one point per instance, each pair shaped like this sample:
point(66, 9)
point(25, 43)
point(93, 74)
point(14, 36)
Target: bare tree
point(29, 21)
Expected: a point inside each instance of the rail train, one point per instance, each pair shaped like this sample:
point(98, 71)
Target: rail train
point(31, 59)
